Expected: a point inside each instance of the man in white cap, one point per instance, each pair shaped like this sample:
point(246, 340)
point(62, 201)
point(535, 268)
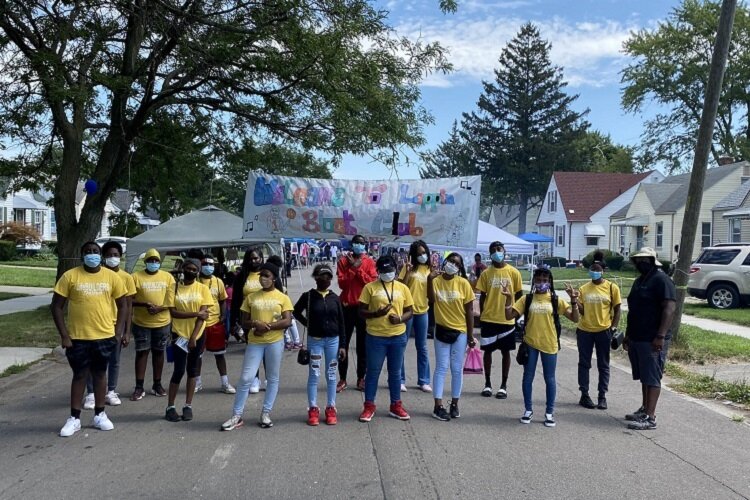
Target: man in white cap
point(651, 307)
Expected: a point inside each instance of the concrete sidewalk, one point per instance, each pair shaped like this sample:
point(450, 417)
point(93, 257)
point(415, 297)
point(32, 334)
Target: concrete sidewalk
point(24, 303)
point(10, 356)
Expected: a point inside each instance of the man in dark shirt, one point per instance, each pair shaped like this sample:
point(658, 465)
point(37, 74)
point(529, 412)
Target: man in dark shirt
point(651, 306)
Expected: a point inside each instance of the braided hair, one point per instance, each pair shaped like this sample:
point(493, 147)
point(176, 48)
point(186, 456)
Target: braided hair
point(461, 267)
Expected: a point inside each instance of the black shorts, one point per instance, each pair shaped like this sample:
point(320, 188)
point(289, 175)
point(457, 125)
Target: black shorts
point(497, 337)
point(647, 365)
point(90, 354)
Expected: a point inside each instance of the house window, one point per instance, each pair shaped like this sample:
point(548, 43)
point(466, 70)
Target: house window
point(705, 234)
point(52, 223)
point(659, 234)
point(623, 232)
point(552, 201)
point(735, 230)
point(38, 221)
point(560, 235)
point(592, 241)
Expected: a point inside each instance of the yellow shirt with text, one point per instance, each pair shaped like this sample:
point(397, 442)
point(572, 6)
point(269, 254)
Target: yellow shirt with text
point(450, 298)
point(540, 325)
point(598, 305)
point(490, 282)
point(90, 297)
point(129, 283)
point(375, 296)
point(157, 289)
point(252, 284)
point(267, 307)
point(416, 280)
point(190, 298)
point(219, 293)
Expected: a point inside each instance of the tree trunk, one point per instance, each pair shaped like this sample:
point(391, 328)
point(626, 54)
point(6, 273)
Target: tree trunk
point(523, 206)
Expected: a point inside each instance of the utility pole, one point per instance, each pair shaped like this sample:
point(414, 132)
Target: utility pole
point(700, 161)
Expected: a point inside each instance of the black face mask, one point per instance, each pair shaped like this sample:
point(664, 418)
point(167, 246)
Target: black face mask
point(189, 275)
point(254, 266)
point(644, 267)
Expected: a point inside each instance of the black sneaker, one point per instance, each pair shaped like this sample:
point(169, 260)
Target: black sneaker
point(645, 423)
point(187, 413)
point(487, 391)
point(172, 415)
point(602, 403)
point(158, 390)
point(636, 415)
point(586, 401)
point(440, 414)
point(454, 411)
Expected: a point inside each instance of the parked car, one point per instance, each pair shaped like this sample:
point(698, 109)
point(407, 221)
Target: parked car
point(119, 239)
point(721, 275)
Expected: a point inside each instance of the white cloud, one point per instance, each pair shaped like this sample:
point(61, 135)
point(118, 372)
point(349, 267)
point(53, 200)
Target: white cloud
point(590, 52)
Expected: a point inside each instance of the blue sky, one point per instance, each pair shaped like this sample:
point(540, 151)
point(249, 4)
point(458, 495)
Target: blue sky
point(586, 37)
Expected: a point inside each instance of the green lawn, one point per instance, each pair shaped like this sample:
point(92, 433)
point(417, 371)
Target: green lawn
point(27, 277)
point(740, 316)
point(703, 386)
point(28, 329)
point(9, 295)
point(51, 263)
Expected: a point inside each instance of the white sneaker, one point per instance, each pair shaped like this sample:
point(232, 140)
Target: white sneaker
point(72, 425)
point(255, 386)
point(526, 417)
point(112, 399)
point(425, 388)
point(88, 401)
point(403, 388)
point(102, 422)
point(228, 389)
point(198, 387)
point(265, 420)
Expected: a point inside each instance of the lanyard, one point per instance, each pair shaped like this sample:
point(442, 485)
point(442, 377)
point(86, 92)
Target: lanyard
point(390, 297)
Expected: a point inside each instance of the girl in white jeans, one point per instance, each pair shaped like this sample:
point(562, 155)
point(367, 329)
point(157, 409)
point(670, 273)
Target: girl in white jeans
point(453, 297)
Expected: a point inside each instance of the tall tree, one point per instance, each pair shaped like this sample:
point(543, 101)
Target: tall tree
point(670, 67)
point(524, 128)
point(450, 159)
point(597, 153)
point(88, 76)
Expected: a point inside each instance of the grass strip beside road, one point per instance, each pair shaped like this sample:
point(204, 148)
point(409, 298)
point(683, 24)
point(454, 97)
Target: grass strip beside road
point(29, 329)
point(703, 386)
point(739, 316)
point(27, 277)
point(10, 295)
point(49, 263)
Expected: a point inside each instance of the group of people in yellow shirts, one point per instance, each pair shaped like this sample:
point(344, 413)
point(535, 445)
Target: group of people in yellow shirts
point(188, 315)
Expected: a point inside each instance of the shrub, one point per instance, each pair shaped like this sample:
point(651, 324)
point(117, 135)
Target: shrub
point(7, 250)
point(554, 261)
point(19, 234)
point(589, 258)
point(614, 261)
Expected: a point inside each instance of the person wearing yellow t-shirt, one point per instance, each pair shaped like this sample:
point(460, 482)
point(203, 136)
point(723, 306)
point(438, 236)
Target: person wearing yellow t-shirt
point(599, 308)
point(498, 333)
point(414, 274)
point(112, 253)
point(541, 336)
point(265, 315)
point(453, 297)
point(189, 314)
point(154, 295)
point(92, 330)
point(386, 305)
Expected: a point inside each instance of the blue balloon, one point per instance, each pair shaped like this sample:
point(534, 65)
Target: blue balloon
point(91, 186)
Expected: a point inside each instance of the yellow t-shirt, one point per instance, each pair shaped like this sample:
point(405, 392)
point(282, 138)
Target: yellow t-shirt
point(90, 296)
point(417, 283)
point(219, 293)
point(157, 289)
point(598, 305)
point(267, 307)
point(190, 298)
point(323, 293)
point(490, 282)
point(540, 325)
point(252, 284)
point(450, 298)
point(374, 296)
point(129, 283)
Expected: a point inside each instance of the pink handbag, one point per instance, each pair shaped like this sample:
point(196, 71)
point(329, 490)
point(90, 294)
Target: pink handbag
point(473, 364)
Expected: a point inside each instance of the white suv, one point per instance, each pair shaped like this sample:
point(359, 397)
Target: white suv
point(721, 275)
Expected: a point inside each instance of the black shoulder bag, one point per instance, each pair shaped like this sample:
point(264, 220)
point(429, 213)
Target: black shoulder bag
point(303, 355)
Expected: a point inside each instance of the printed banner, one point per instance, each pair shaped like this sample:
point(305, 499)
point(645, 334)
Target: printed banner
point(438, 211)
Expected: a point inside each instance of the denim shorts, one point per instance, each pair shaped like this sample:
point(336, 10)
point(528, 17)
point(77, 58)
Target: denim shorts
point(151, 338)
point(647, 365)
point(90, 354)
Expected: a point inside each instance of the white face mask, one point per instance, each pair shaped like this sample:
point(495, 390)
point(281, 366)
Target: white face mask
point(112, 261)
point(450, 268)
point(387, 277)
point(422, 259)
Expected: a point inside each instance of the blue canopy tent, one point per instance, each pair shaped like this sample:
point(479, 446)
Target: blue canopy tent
point(535, 238)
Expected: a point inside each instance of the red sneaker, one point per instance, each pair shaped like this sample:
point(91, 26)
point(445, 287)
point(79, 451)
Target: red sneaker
point(341, 385)
point(331, 418)
point(368, 412)
point(361, 384)
point(397, 411)
point(313, 416)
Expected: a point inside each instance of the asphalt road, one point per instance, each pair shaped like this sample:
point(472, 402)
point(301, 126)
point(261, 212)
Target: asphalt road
point(487, 453)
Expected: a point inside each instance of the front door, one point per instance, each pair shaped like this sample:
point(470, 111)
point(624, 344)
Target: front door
point(638, 237)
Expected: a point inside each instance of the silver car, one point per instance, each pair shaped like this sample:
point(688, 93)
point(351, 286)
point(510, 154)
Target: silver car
point(721, 275)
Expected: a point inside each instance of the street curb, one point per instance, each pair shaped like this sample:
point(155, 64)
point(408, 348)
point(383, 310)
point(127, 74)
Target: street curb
point(35, 368)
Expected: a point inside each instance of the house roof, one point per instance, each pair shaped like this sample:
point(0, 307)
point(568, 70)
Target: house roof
point(585, 193)
point(659, 194)
point(735, 199)
point(621, 213)
point(677, 199)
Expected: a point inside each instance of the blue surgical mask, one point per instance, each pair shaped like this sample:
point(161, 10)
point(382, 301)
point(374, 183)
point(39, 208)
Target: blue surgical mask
point(207, 270)
point(422, 259)
point(387, 277)
point(595, 275)
point(542, 287)
point(92, 260)
point(358, 248)
point(498, 257)
point(450, 268)
point(152, 267)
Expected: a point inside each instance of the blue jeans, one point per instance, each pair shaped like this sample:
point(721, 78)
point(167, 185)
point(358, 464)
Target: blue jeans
point(113, 371)
point(254, 355)
point(417, 326)
point(449, 355)
point(378, 349)
point(328, 346)
point(549, 363)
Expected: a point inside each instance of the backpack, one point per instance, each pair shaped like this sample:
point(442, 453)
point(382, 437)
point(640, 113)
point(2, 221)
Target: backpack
point(555, 315)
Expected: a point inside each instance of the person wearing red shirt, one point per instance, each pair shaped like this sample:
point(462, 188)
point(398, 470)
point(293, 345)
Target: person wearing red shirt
point(354, 270)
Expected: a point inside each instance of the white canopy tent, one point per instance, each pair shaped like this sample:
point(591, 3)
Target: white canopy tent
point(208, 227)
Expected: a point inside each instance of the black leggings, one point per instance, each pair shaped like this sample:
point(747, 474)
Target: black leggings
point(187, 361)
